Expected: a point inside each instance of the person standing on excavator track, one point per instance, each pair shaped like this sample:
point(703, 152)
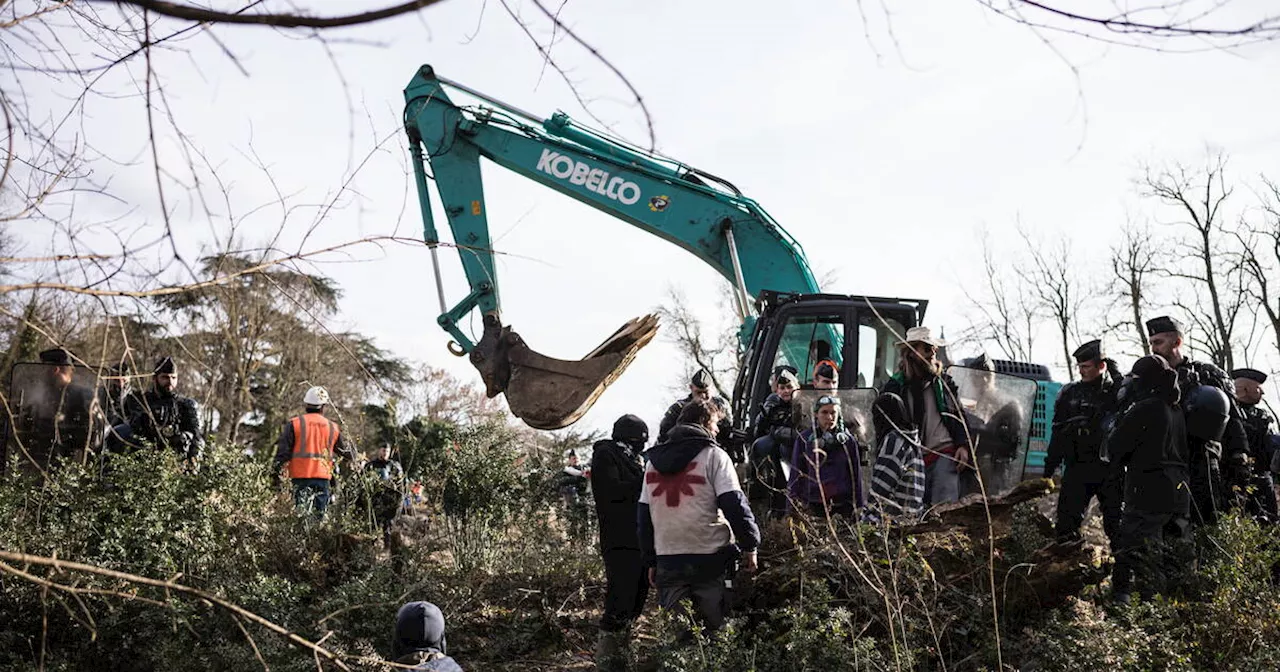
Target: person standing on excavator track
point(933, 399)
point(309, 444)
point(700, 388)
point(775, 434)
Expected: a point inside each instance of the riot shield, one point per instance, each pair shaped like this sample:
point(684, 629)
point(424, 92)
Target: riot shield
point(997, 409)
point(50, 416)
point(855, 409)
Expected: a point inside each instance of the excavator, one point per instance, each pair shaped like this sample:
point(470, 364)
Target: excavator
point(786, 318)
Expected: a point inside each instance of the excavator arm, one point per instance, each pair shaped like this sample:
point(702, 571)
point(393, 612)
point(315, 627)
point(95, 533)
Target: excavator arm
point(697, 211)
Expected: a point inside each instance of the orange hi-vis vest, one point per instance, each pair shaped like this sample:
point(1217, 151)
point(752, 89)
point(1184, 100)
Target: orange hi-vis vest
point(314, 437)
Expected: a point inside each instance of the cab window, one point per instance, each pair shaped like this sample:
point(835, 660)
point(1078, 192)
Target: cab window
point(877, 356)
point(809, 339)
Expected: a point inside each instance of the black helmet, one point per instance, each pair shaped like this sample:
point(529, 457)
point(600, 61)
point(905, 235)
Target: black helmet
point(630, 428)
point(1207, 409)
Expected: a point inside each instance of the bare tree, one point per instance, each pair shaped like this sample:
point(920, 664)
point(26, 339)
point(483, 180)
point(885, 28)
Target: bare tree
point(1054, 277)
point(1260, 258)
point(1133, 260)
point(1004, 308)
point(1159, 26)
point(707, 342)
point(1197, 198)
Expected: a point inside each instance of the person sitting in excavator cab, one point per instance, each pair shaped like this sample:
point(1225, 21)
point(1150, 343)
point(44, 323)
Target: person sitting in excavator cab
point(700, 388)
point(826, 375)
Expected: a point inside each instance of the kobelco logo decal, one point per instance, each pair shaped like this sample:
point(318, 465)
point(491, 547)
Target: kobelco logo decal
point(560, 166)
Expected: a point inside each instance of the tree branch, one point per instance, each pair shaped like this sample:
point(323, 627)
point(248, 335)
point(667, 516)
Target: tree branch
point(189, 13)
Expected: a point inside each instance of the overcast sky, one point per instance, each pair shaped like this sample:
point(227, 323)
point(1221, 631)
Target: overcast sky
point(883, 161)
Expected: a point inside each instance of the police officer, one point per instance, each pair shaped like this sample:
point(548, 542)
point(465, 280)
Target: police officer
point(1218, 467)
point(700, 388)
point(775, 435)
point(1079, 417)
point(162, 418)
point(1259, 431)
point(54, 415)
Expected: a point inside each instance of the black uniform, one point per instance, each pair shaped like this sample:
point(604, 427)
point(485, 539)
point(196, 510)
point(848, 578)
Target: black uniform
point(774, 434)
point(723, 433)
point(54, 424)
point(1079, 418)
point(167, 421)
point(1259, 432)
point(1150, 442)
point(617, 475)
point(1216, 467)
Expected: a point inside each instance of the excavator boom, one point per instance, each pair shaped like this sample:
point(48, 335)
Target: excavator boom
point(690, 208)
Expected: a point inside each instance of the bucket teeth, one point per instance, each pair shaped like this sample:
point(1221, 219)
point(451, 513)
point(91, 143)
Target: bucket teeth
point(550, 393)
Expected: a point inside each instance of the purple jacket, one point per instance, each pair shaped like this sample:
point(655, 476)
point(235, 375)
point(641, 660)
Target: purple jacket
point(839, 472)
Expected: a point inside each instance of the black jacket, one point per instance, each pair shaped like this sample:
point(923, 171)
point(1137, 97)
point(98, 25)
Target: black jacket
point(944, 388)
point(775, 420)
point(166, 420)
point(1259, 430)
point(1079, 419)
point(1150, 443)
point(672, 416)
point(617, 474)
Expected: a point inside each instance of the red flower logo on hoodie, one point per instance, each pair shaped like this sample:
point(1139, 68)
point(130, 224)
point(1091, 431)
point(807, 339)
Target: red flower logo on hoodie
point(675, 485)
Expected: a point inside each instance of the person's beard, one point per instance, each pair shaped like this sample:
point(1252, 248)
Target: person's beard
point(919, 369)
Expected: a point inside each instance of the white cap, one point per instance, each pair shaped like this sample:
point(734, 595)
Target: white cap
point(923, 335)
point(316, 396)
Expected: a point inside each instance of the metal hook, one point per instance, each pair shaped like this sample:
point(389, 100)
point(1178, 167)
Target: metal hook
point(456, 349)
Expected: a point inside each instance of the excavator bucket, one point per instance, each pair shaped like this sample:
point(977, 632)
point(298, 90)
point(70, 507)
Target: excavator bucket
point(549, 393)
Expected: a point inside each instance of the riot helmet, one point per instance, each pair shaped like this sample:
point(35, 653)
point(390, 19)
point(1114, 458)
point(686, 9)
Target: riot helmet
point(1207, 409)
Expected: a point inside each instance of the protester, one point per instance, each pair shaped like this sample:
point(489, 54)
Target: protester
point(932, 399)
point(826, 465)
point(617, 476)
point(694, 520)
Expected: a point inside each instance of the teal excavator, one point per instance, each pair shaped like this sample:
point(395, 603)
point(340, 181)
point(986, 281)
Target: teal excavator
point(703, 214)
point(786, 319)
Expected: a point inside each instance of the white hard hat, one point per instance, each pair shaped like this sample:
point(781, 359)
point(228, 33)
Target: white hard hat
point(316, 396)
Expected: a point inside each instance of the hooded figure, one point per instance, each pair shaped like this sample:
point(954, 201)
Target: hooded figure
point(693, 516)
point(1150, 444)
point(617, 475)
point(419, 639)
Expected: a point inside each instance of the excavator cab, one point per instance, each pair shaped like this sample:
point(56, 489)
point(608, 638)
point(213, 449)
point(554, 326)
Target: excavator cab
point(855, 333)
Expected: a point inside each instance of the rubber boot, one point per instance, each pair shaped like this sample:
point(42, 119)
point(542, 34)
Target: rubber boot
point(611, 651)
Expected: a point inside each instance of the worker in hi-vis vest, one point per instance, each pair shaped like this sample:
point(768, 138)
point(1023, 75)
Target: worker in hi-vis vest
point(310, 443)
